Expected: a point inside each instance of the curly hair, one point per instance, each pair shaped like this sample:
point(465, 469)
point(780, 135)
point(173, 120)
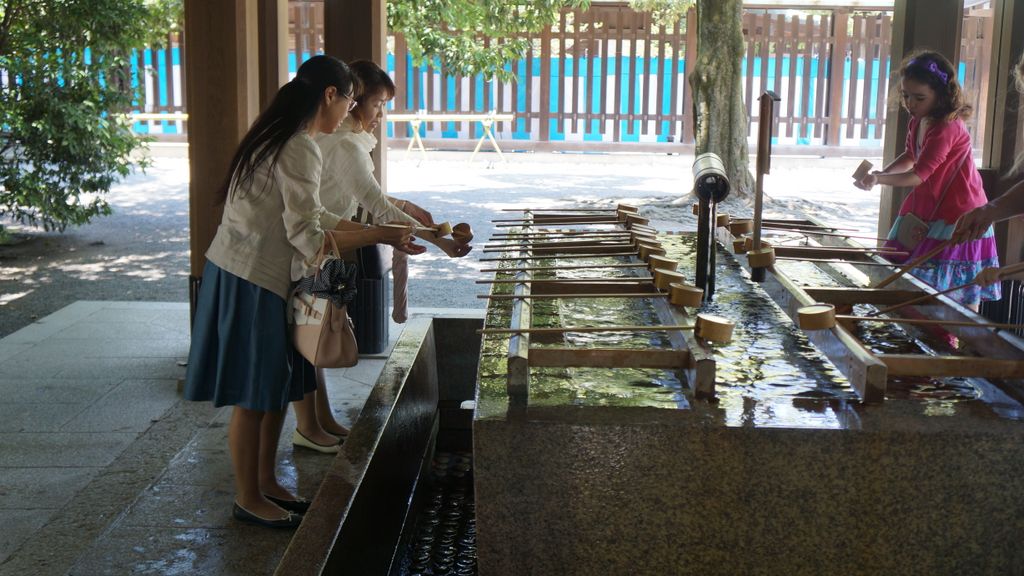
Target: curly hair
point(935, 71)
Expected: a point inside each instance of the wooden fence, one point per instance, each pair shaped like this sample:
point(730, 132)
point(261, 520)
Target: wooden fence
point(610, 75)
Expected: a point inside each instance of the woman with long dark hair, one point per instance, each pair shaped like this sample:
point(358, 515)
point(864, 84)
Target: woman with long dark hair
point(272, 228)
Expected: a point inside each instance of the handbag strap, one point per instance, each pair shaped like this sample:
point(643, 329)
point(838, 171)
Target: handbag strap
point(321, 254)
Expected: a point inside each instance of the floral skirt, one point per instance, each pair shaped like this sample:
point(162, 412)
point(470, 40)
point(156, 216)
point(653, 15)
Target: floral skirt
point(954, 266)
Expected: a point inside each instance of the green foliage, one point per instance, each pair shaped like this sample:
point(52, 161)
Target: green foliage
point(64, 138)
point(664, 12)
point(453, 31)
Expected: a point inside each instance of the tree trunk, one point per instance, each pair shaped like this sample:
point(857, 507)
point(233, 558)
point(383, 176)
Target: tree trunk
point(720, 116)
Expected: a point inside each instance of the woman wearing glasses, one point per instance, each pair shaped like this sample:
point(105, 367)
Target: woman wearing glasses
point(347, 185)
point(272, 228)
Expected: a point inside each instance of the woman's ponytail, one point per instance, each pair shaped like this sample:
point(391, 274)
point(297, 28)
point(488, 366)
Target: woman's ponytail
point(292, 109)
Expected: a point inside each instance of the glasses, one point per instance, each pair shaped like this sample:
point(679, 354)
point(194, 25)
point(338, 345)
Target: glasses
point(352, 102)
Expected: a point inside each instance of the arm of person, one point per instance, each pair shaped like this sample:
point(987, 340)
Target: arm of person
point(366, 190)
point(420, 214)
point(351, 235)
point(899, 172)
point(974, 224)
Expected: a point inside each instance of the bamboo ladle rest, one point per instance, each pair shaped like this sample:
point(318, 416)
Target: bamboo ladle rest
point(554, 268)
point(824, 317)
point(682, 295)
point(591, 242)
point(652, 263)
point(619, 208)
point(707, 327)
point(560, 256)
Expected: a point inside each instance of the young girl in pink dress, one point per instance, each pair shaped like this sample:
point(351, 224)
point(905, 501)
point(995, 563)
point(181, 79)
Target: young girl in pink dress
point(937, 162)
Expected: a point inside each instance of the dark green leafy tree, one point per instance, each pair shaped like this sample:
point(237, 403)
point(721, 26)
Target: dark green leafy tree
point(453, 31)
point(65, 87)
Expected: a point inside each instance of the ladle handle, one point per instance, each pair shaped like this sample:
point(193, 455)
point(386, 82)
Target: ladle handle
point(560, 329)
point(933, 322)
point(913, 264)
point(1004, 271)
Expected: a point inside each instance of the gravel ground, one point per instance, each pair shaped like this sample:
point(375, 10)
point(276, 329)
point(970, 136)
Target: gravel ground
point(141, 251)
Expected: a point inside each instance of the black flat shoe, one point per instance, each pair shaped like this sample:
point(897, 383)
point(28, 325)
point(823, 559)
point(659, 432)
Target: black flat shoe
point(297, 506)
point(243, 515)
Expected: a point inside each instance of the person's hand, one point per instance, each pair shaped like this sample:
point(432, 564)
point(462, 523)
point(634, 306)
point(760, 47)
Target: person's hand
point(418, 213)
point(867, 182)
point(411, 248)
point(987, 277)
point(973, 225)
point(452, 248)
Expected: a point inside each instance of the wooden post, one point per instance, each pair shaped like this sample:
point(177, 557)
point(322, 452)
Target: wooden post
point(222, 99)
point(273, 46)
point(840, 41)
point(544, 113)
point(1003, 124)
point(935, 24)
point(357, 30)
point(691, 59)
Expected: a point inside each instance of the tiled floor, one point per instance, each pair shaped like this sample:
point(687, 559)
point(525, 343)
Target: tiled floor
point(104, 469)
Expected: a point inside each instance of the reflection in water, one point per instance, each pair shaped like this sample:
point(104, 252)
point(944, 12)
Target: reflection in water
point(769, 375)
point(444, 531)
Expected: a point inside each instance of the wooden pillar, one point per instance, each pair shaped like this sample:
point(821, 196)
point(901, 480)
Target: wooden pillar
point(916, 24)
point(221, 63)
point(1003, 123)
point(273, 47)
point(357, 30)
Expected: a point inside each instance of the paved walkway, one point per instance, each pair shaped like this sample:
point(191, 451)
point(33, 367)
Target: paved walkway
point(105, 470)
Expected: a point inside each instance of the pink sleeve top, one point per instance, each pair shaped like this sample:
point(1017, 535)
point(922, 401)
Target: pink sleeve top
point(938, 162)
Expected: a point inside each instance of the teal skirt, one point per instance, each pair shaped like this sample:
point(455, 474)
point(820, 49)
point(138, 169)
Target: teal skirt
point(241, 353)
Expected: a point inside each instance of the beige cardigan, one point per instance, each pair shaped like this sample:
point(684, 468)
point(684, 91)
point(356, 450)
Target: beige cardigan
point(272, 229)
point(347, 181)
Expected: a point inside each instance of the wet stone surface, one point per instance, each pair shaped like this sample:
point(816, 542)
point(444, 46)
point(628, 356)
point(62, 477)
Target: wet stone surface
point(769, 375)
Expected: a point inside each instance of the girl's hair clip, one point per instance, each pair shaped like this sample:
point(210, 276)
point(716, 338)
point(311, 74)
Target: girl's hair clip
point(932, 67)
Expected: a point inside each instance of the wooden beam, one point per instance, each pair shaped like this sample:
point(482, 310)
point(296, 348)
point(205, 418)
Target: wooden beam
point(273, 46)
point(1003, 121)
point(884, 296)
point(608, 358)
point(357, 30)
point(222, 98)
point(952, 366)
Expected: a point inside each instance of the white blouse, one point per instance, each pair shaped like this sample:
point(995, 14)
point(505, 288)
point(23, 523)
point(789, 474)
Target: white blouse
point(273, 228)
point(347, 181)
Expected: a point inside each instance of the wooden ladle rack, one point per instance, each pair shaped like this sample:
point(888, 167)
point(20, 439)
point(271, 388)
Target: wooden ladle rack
point(868, 372)
point(624, 234)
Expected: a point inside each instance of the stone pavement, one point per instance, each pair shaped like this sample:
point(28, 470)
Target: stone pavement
point(104, 469)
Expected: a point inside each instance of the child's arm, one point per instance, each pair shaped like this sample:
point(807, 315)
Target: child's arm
point(899, 172)
point(902, 163)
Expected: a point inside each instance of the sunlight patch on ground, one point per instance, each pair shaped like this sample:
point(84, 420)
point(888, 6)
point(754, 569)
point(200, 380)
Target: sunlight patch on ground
point(135, 266)
point(6, 299)
point(19, 274)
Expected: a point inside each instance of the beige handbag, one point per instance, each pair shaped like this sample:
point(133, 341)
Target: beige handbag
point(321, 329)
